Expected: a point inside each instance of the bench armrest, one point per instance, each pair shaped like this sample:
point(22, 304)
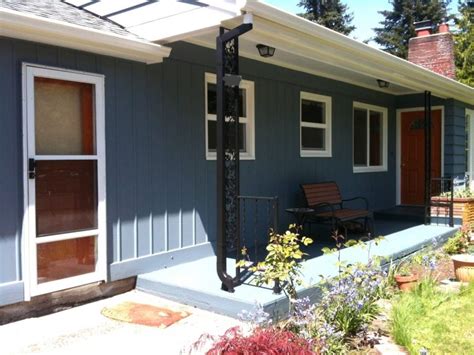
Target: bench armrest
point(322, 205)
point(366, 202)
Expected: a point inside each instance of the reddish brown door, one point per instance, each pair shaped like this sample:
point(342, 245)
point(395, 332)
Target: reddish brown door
point(413, 155)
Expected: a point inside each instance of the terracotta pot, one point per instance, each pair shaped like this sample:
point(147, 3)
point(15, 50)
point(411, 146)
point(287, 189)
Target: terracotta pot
point(463, 267)
point(406, 283)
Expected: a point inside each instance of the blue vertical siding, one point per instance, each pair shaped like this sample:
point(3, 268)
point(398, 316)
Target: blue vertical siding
point(455, 138)
point(161, 190)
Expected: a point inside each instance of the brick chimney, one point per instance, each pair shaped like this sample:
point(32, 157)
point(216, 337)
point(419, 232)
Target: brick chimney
point(434, 51)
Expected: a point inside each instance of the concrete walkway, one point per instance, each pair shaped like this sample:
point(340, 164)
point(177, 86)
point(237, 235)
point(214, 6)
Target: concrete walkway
point(83, 330)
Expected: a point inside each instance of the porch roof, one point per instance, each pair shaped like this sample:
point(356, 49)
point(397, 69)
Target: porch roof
point(60, 24)
point(306, 46)
point(300, 44)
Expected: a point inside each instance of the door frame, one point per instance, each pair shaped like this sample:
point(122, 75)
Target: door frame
point(399, 145)
point(28, 247)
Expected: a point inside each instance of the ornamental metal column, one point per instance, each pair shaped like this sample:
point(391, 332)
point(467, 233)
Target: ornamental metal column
point(228, 150)
point(428, 157)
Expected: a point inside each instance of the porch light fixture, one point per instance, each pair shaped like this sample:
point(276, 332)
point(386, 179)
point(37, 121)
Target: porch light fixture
point(383, 84)
point(265, 51)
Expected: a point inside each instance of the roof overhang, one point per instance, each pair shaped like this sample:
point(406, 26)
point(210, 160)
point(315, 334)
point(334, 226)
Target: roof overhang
point(29, 27)
point(305, 37)
point(308, 47)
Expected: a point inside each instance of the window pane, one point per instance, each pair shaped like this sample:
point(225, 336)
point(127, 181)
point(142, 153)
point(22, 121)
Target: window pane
point(212, 100)
point(66, 258)
point(212, 136)
point(360, 137)
point(64, 123)
point(66, 196)
point(376, 143)
point(313, 138)
point(243, 102)
point(313, 111)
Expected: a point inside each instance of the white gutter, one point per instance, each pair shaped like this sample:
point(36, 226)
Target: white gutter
point(397, 70)
point(39, 29)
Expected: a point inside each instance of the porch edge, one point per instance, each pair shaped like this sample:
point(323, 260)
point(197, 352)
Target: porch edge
point(133, 267)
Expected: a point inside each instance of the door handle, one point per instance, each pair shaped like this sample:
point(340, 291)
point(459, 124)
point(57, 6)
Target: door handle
point(31, 168)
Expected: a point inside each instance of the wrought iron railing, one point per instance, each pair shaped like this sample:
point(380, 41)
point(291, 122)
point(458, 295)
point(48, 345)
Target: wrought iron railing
point(257, 216)
point(441, 202)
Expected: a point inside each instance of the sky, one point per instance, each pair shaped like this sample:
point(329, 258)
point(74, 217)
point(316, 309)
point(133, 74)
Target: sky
point(365, 12)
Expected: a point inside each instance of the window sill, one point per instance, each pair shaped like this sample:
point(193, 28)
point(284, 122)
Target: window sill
point(375, 169)
point(242, 157)
point(315, 154)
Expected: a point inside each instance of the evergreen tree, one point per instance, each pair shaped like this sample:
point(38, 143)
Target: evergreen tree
point(330, 13)
point(397, 27)
point(464, 44)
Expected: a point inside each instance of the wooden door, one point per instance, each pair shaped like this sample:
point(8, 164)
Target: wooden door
point(413, 154)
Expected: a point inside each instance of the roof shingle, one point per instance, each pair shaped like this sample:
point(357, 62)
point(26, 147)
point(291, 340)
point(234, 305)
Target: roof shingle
point(62, 11)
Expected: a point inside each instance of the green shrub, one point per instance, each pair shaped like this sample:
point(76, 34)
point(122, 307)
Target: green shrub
point(283, 261)
point(459, 243)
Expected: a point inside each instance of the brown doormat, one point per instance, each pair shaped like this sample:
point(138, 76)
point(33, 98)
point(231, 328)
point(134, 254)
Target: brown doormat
point(143, 314)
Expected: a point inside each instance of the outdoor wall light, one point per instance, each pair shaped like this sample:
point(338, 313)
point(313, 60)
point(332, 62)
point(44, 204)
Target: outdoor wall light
point(265, 51)
point(383, 84)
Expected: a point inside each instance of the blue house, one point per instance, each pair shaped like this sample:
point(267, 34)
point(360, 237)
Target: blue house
point(109, 133)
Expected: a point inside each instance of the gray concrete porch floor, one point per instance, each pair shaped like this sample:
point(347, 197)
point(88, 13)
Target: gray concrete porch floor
point(84, 330)
point(196, 283)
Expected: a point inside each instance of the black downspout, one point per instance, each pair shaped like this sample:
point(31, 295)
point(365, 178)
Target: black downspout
point(225, 192)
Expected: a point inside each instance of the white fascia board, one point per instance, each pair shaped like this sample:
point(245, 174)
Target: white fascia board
point(399, 70)
point(38, 29)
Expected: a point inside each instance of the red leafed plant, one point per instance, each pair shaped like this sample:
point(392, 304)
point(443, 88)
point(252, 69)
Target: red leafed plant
point(268, 341)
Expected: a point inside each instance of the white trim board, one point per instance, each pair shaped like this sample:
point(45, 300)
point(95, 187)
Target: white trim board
point(399, 145)
point(29, 261)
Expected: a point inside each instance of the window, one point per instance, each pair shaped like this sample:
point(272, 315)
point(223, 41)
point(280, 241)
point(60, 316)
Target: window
point(315, 125)
point(369, 138)
point(246, 118)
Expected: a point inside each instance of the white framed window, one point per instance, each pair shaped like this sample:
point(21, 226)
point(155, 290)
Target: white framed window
point(315, 125)
point(246, 118)
point(369, 135)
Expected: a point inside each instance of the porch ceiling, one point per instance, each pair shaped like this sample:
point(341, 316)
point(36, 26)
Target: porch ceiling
point(293, 54)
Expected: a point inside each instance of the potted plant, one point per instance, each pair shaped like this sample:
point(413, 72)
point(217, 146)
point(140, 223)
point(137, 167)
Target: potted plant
point(459, 246)
point(463, 205)
point(405, 278)
point(463, 267)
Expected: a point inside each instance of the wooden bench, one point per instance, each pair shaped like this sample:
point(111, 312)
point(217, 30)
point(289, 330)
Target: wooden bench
point(328, 207)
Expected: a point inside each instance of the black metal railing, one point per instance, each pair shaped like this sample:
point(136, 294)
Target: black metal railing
point(441, 201)
point(258, 216)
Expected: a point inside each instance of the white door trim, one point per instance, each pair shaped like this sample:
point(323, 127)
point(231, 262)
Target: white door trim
point(29, 262)
point(399, 145)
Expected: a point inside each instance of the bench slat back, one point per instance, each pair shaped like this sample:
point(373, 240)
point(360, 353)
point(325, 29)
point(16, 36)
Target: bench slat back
point(325, 192)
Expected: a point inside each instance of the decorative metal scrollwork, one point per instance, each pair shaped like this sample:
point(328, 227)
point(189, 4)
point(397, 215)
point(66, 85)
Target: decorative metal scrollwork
point(228, 223)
